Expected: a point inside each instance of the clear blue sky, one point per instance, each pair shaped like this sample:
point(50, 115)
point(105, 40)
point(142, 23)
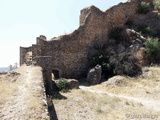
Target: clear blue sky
point(22, 21)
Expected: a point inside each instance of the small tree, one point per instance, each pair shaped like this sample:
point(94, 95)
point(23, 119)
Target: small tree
point(153, 49)
point(116, 34)
point(156, 4)
point(62, 84)
point(11, 67)
point(144, 8)
point(103, 60)
point(15, 65)
point(129, 23)
point(145, 29)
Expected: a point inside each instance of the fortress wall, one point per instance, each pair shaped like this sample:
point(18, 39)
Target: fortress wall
point(68, 55)
point(36, 50)
point(69, 52)
point(40, 41)
point(23, 52)
point(101, 23)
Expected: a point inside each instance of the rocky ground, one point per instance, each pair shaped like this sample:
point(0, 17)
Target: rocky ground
point(114, 100)
point(22, 95)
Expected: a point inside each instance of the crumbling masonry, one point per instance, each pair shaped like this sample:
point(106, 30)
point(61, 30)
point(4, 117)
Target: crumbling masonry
point(66, 55)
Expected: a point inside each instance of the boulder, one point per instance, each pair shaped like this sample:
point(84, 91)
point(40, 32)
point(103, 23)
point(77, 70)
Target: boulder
point(94, 75)
point(141, 55)
point(116, 80)
point(72, 84)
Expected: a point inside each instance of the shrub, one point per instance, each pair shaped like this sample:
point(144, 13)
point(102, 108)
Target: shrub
point(129, 23)
point(156, 4)
point(62, 84)
point(153, 49)
point(125, 63)
point(115, 34)
point(121, 63)
point(103, 61)
point(144, 8)
point(145, 29)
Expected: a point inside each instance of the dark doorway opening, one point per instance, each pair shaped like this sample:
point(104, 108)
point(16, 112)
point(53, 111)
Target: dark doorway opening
point(55, 74)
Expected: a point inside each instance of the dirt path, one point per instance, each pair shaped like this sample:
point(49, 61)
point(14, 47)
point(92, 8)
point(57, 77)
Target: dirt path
point(150, 104)
point(27, 102)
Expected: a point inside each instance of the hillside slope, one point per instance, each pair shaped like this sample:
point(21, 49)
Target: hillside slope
point(135, 96)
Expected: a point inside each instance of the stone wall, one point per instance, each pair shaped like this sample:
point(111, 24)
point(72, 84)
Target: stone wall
point(69, 52)
point(45, 63)
point(23, 52)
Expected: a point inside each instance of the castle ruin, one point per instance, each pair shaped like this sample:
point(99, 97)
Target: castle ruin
point(67, 56)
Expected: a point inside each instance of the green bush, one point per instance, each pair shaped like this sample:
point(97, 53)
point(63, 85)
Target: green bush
point(156, 4)
point(103, 61)
point(62, 84)
point(144, 29)
point(144, 8)
point(153, 49)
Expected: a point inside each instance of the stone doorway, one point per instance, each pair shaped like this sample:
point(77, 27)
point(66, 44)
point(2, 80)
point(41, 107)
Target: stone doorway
point(55, 74)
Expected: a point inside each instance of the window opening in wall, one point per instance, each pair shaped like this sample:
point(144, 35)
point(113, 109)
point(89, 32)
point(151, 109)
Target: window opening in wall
point(55, 74)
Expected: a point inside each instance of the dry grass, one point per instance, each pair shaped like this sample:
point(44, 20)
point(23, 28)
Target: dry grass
point(36, 108)
point(7, 89)
point(84, 105)
point(80, 104)
point(21, 69)
point(147, 85)
point(24, 97)
point(35, 94)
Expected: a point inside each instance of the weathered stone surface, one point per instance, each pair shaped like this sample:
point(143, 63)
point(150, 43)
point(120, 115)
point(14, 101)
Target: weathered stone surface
point(116, 80)
point(94, 75)
point(135, 37)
